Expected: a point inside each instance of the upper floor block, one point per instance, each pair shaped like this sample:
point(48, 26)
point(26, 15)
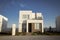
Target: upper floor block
point(29, 15)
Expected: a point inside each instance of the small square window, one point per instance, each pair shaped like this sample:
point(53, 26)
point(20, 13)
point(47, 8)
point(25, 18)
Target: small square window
point(25, 17)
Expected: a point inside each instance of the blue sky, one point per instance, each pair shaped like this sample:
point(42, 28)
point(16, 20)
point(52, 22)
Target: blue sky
point(49, 8)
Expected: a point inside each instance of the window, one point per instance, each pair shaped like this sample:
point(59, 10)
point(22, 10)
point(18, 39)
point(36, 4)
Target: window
point(25, 16)
point(37, 26)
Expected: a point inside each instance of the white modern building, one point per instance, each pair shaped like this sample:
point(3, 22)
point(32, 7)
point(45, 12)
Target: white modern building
point(3, 23)
point(30, 22)
point(58, 24)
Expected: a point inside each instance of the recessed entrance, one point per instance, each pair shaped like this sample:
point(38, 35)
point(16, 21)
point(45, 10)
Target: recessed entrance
point(24, 27)
point(30, 27)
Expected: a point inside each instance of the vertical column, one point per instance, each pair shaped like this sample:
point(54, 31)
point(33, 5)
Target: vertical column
point(13, 29)
point(27, 27)
point(0, 26)
point(42, 28)
point(20, 27)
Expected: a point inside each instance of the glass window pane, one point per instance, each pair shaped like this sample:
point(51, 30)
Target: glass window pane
point(37, 26)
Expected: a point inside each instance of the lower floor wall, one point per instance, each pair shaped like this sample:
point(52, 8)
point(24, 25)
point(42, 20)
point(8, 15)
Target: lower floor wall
point(31, 27)
point(36, 30)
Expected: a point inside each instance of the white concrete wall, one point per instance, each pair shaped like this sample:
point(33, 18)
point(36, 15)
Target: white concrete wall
point(20, 27)
point(21, 20)
point(21, 13)
point(31, 17)
point(58, 24)
point(13, 29)
point(39, 15)
point(0, 23)
point(3, 23)
point(35, 21)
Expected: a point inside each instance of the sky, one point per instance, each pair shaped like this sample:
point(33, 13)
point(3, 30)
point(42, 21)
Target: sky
point(49, 8)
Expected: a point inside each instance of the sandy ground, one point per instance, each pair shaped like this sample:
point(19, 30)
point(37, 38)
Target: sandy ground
point(30, 37)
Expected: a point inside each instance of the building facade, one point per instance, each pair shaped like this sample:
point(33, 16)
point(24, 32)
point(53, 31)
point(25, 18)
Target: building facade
point(3, 23)
point(58, 24)
point(30, 22)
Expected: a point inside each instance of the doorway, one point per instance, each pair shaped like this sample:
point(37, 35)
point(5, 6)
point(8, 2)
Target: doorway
point(30, 27)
